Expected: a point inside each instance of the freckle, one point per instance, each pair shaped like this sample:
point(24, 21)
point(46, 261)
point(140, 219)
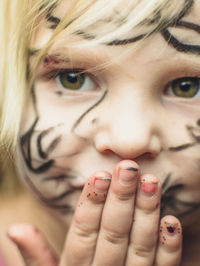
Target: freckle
point(59, 93)
point(94, 121)
point(88, 184)
point(163, 243)
point(164, 238)
point(88, 195)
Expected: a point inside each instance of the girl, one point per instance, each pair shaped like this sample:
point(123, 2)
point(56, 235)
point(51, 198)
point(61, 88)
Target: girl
point(100, 110)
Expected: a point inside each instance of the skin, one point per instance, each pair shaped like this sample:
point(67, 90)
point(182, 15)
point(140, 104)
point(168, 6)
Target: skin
point(126, 118)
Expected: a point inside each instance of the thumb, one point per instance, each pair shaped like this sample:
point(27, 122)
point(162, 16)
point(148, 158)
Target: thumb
point(33, 247)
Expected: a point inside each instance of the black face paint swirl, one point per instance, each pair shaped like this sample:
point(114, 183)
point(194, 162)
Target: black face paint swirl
point(194, 133)
point(87, 111)
point(44, 166)
point(169, 200)
point(54, 21)
point(41, 163)
point(181, 47)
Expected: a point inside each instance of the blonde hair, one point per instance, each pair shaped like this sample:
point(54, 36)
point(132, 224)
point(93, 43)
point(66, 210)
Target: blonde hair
point(20, 20)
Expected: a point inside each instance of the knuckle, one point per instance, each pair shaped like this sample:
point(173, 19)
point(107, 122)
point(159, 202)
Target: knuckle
point(149, 207)
point(82, 231)
point(142, 251)
point(124, 196)
point(114, 237)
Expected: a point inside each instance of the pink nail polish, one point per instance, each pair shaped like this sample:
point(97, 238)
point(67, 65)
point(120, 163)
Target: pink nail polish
point(149, 188)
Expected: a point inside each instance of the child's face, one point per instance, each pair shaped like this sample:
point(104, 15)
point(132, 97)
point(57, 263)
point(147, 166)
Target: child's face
point(144, 107)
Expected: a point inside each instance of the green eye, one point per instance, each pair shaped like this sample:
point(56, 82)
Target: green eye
point(186, 87)
point(72, 80)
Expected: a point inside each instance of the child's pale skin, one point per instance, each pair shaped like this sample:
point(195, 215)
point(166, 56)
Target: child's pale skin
point(127, 119)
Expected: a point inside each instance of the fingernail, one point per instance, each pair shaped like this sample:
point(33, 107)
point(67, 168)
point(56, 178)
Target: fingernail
point(102, 183)
point(172, 228)
point(127, 175)
point(149, 185)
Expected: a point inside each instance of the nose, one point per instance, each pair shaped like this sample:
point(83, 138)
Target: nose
point(130, 129)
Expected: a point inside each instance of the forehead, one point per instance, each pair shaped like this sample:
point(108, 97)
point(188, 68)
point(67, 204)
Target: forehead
point(120, 8)
point(186, 30)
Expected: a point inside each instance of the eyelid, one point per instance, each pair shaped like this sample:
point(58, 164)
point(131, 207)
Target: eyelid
point(55, 72)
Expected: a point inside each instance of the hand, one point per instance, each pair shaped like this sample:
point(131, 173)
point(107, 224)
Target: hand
point(116, 222)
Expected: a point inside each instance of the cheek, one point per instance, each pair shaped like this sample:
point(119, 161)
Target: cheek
point(45, 155)
point(187, 168)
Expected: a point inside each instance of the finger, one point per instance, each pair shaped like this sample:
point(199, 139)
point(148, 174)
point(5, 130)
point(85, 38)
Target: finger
point(33, 247)
point(144, 234)
point(170, 243)
point(117, 215)
point(84, 229)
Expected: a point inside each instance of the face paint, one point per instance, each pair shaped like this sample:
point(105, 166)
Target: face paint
point(66, 135)
point(169, 200)
point(195, 136)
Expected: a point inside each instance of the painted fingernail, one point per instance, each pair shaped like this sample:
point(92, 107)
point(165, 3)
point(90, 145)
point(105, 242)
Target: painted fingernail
point(102, 183)
point(149, 185)
point(127, 175)
point(172, 228)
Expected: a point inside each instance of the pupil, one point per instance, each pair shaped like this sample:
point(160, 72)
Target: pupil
point(72, 78)
point(185, 86)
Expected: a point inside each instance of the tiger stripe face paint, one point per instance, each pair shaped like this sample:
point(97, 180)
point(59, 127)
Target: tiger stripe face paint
point(90, 108)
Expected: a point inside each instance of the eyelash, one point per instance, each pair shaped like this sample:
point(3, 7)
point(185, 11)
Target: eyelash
point(54, 73)
point(90, 82)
